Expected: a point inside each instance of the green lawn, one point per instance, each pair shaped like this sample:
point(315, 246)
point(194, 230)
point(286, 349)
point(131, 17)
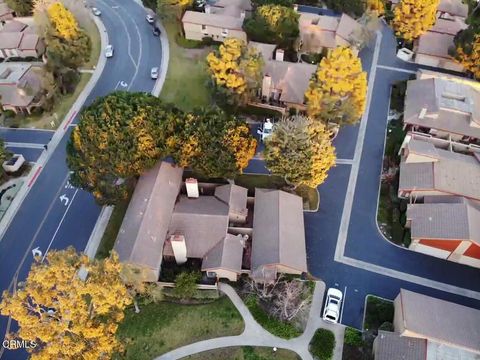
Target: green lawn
point(245, 353)
point(162, 327)
point(310, 196)
point(111, 231)
point(94, 35)
point(186, 81)
point(54, 117)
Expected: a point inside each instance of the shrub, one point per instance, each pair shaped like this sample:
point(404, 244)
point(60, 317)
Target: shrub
point(407, 238)
point(186, 285)
point(386, 326)
point(207, 41)
point(187, 43)
point(9, 113)
point(353, 337)
point(322, 344)
point(403, 219)
point(378, 311)
point(272, 325)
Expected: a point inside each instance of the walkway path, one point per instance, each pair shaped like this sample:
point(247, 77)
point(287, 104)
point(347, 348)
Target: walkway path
point(255, 335)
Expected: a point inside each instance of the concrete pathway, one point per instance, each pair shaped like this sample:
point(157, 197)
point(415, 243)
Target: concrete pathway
point(255, 335)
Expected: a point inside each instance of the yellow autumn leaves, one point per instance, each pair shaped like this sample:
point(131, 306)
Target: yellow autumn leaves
point(413, 18)
point(337, 92)
point(63, 21)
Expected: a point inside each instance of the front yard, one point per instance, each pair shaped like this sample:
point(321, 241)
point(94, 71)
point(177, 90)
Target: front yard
point(162, 327)
point(187, 89)
point(245, 353)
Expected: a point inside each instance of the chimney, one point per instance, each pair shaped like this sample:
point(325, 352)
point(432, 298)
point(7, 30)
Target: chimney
point(279, 55)
point(242, 14)
point(266, 86)
point(192, 187)
point(179, 248)
point(207, 9)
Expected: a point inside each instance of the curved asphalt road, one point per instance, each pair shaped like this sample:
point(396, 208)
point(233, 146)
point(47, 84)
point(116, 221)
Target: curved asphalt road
point(46, 220)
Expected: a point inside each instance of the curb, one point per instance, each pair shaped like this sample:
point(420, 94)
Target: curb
point(106, 212)
point(58, 135)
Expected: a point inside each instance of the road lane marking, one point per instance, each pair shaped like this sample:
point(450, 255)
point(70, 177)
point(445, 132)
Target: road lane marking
point(21, 129)
point(24, 145)
point(59, 225)
point(343, 303)
point(396, 69)
point(344, 161)
point(70, 119)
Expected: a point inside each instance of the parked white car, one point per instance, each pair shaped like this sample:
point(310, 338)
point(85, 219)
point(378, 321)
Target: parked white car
point(154, 73)
point(265, 130)
point(96, 12)
point(333, 304)
point(150, 18)
point(109, 51)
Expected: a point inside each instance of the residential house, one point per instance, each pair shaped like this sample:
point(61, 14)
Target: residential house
point(168, 220)
point(443, 106)
point(447, 227)
point(429, 170)
point(20, 87)
point(5, 12)
point(432, 48)
point(451, 331)
point(325, 32)
point(18, 40)
point(391, 346)
point(222, 19)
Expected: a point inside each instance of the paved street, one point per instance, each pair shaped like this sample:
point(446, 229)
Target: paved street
point(55, 215)
point(360, 268)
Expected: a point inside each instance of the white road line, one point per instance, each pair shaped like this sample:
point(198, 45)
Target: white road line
point(24, 145)
point(396, 69)
point(59, 224)
point(343, 303)
point(348, 204)
point(344, 161)
point(21, 129)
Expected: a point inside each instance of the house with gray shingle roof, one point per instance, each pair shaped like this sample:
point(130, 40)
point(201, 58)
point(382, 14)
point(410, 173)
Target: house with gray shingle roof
point(5, 12)
point(18, 40)
point(169, 220)
point(391, 346)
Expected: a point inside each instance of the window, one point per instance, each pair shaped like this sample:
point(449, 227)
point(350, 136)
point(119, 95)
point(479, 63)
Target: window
point(224, 32)
point(204, 29)
point(451, 96)
point(211, 274)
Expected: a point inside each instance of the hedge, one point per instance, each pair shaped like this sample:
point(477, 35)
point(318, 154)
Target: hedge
point(276, 327)
point(353, 337)
point(322, 344)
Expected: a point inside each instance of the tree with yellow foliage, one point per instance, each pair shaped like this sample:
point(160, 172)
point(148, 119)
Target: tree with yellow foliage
point(376, 7)
point(272, 23)
point(211, 143)
point(236, 71)
point(300, 150)
point(66, 316)
point(467, 49)
point(63, 21)
point(413, 18)
point(338, 89)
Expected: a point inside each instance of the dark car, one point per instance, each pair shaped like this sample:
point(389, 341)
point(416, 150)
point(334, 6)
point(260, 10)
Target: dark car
point(156, 31)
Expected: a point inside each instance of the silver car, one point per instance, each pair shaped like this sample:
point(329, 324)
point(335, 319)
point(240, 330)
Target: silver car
point(109, 51)
point(96, 12)
point(154, 73)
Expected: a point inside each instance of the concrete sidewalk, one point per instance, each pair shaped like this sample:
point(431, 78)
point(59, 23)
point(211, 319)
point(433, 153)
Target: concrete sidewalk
point(255, 335)
point(58, 135)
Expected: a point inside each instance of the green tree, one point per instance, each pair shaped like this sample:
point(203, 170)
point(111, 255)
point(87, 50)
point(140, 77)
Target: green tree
point(210, 142)
point(287, 3)
point(353, 8)
point(274, 24)
point(69, 317)
point(300, 150)
point(467, 49)
point(4, 155)
point(117, 139)
point(186, 285)
point(21, 7)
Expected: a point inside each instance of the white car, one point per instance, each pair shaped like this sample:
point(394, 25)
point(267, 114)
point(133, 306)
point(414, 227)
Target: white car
point(154, 73)
point(265, 130)
point(109, 51)
point(333, 304)
point(150, 18)
point(96, 12)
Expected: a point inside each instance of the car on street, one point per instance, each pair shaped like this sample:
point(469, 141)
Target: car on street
point(96, 12)
point(154, 73)
point(109, 51)
point(265, 129)
point(333, 304)
point(156, 31)
point(150, 18)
